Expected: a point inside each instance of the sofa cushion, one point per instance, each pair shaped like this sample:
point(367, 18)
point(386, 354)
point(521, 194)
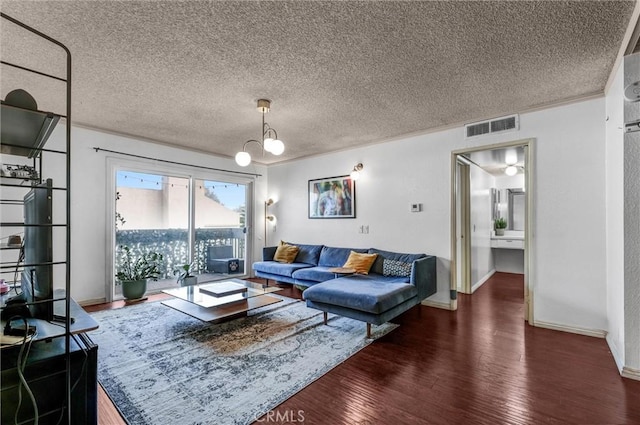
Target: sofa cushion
point(389, 279)
point(316, 274)
point(286, 253)
point(378, 266)
point(396, 268)
point(307, 253)
point(275, 268)
point(358, 293)
point(360, 262)
point(336, 257)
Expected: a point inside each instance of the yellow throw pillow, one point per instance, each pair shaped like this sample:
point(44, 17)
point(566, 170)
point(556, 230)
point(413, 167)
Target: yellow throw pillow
point(361, 263)
point(286, 253)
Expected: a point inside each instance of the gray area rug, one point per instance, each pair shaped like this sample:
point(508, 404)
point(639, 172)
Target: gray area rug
point(160, 366)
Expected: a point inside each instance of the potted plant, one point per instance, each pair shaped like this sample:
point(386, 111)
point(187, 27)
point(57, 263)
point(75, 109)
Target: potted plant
point(185, 278)
point(500, 225)
point(134, 273)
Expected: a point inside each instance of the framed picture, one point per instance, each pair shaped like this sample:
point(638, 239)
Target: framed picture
point(332, 197)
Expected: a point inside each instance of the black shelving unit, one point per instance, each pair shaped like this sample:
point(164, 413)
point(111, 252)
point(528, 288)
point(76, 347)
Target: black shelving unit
point(24, 134)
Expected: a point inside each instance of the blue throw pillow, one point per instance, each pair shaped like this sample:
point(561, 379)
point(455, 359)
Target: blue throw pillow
point(396, 268)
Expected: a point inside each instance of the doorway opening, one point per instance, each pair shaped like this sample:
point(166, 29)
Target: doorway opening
point(491, 216)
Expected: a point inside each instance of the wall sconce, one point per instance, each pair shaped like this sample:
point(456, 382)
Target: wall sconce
point(355, 174)
point(267, 217)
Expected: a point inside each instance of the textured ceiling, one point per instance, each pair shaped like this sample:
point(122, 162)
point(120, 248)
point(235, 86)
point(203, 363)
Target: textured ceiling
point(339, 74)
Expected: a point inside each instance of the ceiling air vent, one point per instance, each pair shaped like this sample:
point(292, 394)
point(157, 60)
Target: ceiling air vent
point(492, 126)
point(478, 129)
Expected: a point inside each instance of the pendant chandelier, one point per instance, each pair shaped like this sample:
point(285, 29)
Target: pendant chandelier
point(269, 141)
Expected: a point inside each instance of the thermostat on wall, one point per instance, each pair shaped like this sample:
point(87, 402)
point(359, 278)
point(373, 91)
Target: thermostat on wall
point(416, 207)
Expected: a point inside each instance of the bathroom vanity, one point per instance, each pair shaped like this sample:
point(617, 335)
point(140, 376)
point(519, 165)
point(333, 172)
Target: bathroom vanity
point(508, 251)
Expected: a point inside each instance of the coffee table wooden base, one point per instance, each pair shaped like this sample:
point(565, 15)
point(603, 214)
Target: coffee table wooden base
point(221, 313)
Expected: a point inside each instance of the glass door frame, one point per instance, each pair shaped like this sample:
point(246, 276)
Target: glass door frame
point(115, 165)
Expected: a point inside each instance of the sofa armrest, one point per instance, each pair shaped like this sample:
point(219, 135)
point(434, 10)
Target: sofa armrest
point(268, 252)
point(423, 276)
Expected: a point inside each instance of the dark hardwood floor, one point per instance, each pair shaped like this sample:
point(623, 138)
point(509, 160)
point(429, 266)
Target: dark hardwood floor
point(479, 365)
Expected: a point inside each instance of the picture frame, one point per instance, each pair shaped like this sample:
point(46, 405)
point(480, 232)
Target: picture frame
point(332, 197)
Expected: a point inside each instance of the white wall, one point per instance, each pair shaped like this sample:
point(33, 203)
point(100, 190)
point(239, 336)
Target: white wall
point(632, 227)
point(623, 224)
point(632, 254)
point(569, 212)
point(482, 265)
point(89, 210)
point(510, 182)
point(615, 217)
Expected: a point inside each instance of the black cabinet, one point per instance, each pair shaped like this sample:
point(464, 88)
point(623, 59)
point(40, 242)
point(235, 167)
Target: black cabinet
point(45, 373)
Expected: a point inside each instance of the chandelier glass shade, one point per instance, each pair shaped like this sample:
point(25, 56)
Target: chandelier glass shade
point(243, 158)
point(269, 141)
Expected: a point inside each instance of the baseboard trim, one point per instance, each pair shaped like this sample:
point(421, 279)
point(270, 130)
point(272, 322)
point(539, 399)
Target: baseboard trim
point(630, 373)
point(92, 301)
point(437, 304)
point(615, 354)
point(625, 371)
point(596, 333)
point(481, 282)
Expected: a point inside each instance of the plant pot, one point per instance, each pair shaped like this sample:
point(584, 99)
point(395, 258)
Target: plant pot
point(189, 281)
point(134, 289)
point(499, 232)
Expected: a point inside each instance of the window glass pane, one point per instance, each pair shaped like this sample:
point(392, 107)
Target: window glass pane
point(220, 227)
point(152, 215)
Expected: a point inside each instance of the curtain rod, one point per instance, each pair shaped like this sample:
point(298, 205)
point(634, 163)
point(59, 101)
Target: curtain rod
point(177, 163)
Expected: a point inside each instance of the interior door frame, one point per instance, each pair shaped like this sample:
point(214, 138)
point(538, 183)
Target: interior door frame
point(463, 233)
point(529, 254)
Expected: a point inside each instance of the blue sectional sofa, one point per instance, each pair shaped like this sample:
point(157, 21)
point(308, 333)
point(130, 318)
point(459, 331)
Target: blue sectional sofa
point(373, 298)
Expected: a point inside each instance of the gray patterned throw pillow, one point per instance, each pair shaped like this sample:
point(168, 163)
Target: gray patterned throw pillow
point(396, 268)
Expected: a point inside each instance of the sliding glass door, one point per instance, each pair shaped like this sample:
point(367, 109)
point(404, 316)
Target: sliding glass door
point(220, 236)
point(188, 220)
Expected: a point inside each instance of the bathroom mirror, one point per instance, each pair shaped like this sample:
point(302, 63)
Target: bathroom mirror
point(510, 205)
point(516, 205)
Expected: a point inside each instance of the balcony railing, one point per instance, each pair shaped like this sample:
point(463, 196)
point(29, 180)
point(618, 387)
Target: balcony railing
point(173, 245)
